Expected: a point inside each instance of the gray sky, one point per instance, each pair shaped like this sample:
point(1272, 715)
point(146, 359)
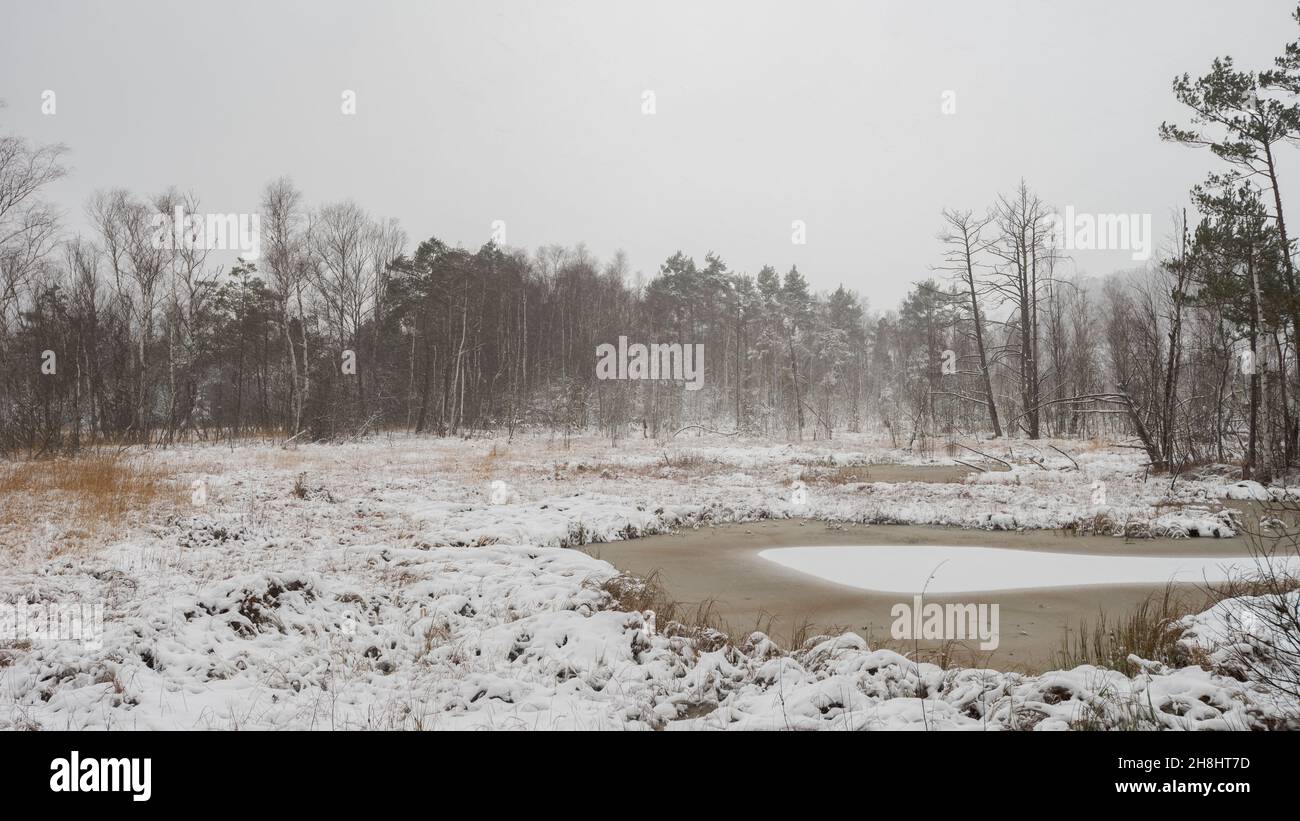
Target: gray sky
point(531, 112)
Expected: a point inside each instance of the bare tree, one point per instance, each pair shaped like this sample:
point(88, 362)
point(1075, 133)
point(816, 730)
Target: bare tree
point(286, 260)
point(964, 243)
point(28, 225)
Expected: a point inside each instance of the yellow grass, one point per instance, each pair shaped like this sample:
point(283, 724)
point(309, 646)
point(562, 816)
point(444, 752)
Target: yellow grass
point(82, 497)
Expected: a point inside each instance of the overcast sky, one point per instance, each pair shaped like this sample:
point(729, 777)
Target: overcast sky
point(531, 112)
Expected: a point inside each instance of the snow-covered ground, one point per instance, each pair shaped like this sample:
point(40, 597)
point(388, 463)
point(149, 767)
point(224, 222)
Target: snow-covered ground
point(418, 583)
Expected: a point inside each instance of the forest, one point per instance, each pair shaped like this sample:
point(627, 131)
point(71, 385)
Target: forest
point(342, 327)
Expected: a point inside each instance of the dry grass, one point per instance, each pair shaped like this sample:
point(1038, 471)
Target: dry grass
point(674, 462)
point(690, 462)
point(1265, 584)
point(848, 475)
point(84, 496)
point(699, 624)
point(487, 466)
point(1145, 631)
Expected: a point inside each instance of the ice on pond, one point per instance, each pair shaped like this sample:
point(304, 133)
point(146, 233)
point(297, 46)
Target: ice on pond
point(949, 569)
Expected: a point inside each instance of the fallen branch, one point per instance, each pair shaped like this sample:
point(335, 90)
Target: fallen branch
point(288, 441)
point(710, 430)
point(1067, 456)
point(985, 455)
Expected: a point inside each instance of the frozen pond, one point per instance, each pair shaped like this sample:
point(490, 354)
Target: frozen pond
point(891, 569)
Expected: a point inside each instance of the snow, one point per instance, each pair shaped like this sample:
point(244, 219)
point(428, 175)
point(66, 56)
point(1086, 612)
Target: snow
point(392, 592)
point(959, 569)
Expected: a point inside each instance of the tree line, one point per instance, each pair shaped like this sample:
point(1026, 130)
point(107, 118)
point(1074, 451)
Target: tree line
point(339, 328)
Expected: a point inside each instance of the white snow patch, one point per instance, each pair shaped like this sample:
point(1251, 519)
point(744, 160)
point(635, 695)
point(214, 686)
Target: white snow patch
point(908, 569)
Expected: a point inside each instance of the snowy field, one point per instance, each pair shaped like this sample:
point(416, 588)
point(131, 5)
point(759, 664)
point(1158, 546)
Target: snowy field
point(412, 583)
